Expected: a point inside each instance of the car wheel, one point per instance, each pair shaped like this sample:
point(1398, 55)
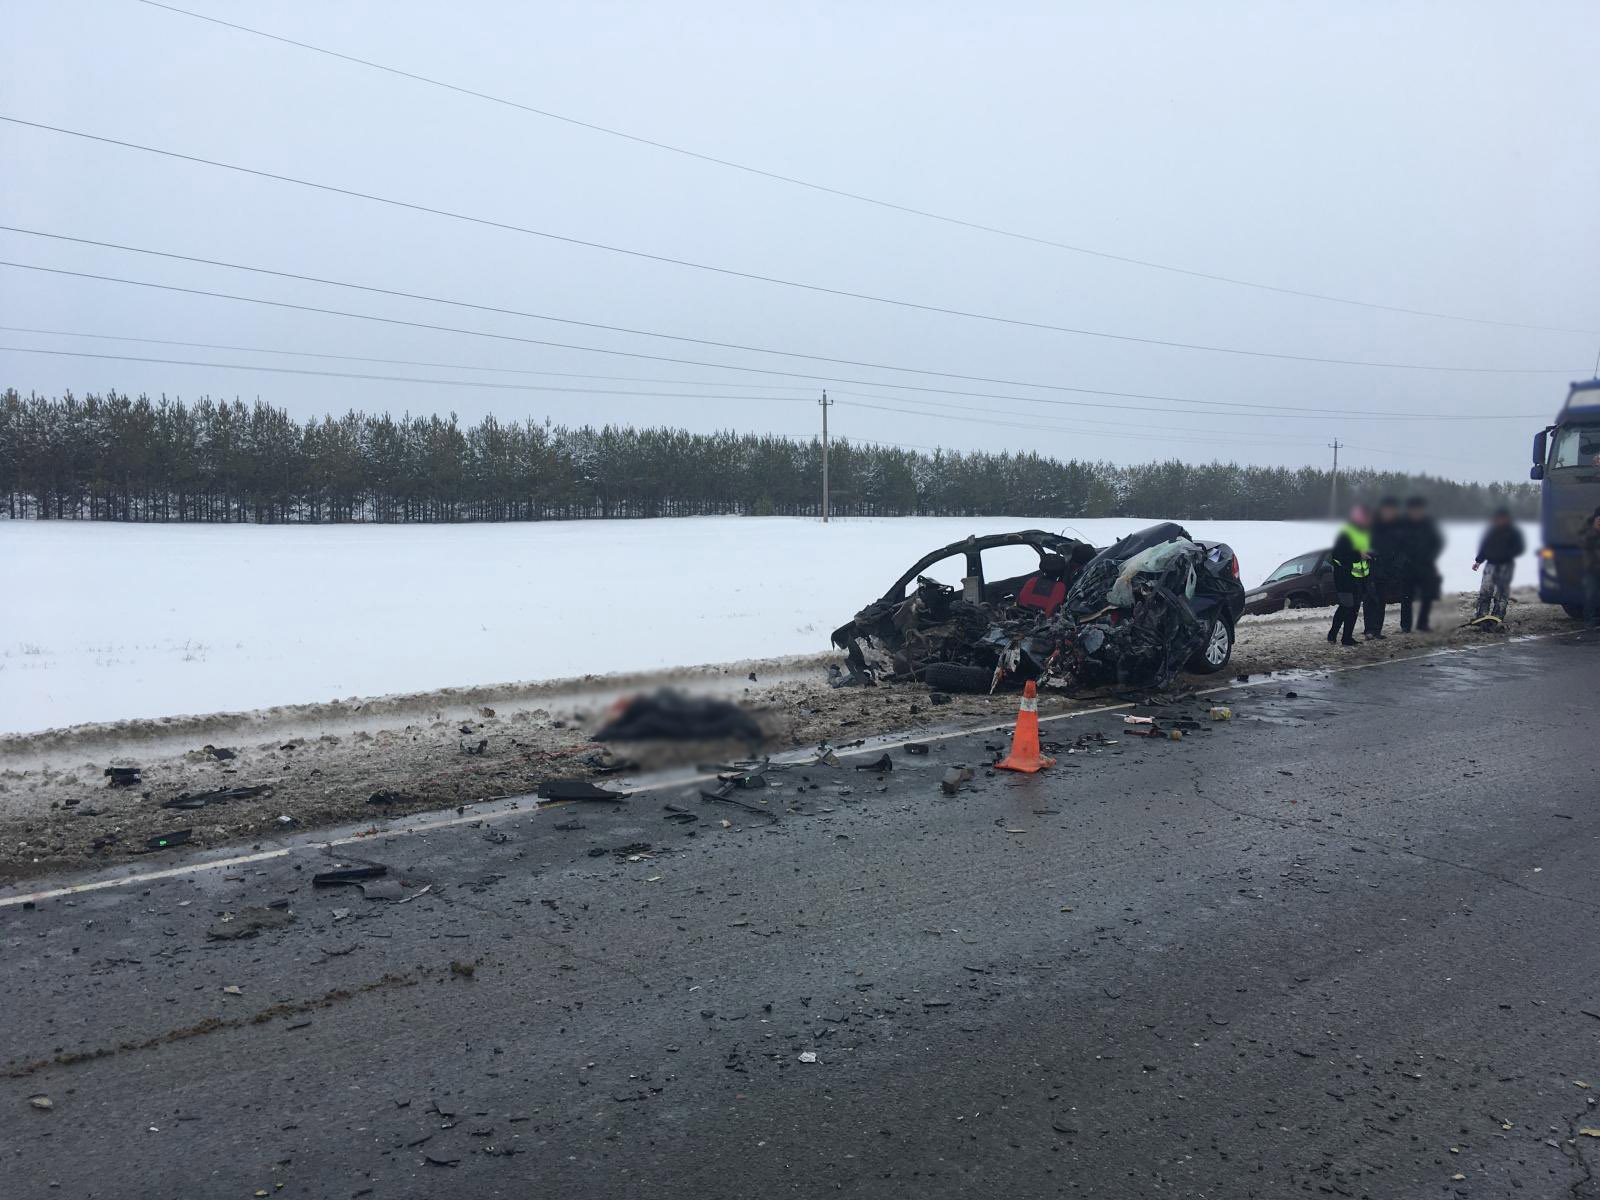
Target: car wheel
point(1575, 611)
point(1299, 600)
point(957, 677)
point(1216, 650)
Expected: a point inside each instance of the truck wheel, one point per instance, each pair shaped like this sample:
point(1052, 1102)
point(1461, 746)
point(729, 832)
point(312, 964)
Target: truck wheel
point(956, 677)
point(1575, 611)
point(1216, 650)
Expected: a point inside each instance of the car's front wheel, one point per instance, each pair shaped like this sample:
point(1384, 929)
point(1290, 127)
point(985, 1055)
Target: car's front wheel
point(1216, 650)
point(957, 677)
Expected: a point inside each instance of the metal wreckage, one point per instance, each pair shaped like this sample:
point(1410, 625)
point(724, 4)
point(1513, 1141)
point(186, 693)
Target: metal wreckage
point(1131, 615)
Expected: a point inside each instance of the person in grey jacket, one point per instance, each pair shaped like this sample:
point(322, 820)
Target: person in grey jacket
point(1499, 550)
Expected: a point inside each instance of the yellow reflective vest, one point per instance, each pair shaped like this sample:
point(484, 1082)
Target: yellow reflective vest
point(1361, 543)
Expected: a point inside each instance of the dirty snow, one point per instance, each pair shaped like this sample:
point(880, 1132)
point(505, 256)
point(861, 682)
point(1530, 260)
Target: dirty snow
point(447, 749)
point(105, 622)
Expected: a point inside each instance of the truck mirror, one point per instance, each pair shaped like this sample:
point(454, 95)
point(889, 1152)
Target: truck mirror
point(1536, 471)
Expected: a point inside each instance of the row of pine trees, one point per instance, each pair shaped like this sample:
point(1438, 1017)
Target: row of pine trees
point(119, 458)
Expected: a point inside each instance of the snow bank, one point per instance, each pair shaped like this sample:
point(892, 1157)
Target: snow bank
point(103, 622)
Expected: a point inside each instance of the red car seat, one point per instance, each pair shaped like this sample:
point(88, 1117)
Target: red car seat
point(1045, 590)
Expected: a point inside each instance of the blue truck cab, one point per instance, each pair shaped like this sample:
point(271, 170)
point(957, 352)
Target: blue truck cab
point(1566, 457)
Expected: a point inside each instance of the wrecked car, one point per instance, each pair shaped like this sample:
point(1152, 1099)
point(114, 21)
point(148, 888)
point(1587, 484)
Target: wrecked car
point(1133, 614)
point(961, 606)
point(1155, 603)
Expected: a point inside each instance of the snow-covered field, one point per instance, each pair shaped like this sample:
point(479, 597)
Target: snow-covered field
point(102, 622)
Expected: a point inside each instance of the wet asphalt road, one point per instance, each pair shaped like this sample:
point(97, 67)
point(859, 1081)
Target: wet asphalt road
point(1347, 944)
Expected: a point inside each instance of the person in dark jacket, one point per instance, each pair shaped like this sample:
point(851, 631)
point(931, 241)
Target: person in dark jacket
point(1589, 543)
point(1352, 572)
point(1502, 545)
point(1420, 581)
point(1390, 562)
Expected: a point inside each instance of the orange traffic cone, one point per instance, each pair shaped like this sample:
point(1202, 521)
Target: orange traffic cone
point(1025, 754)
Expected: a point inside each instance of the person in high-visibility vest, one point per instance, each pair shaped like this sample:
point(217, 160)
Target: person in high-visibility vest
point(1352, 574)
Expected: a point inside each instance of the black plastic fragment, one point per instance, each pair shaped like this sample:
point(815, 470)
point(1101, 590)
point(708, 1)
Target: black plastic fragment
point(576, 789)
point(348, 875)
point(187, 800)
point(884, 763)
point(162, 840)
point(721, 797)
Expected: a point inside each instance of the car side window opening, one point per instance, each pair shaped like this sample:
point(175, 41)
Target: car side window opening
point(1001, 563)
point(950, 571)
point(1303, 565)
point(1576, 446)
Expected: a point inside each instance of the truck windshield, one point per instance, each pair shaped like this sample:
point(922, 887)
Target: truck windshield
point(1576, 446)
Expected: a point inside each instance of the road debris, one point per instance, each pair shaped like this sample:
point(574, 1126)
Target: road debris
point(120, 777)
point(954, 777)
point(885, 763)
point(342, 876)
point(721, 796)
point(185, 800)
point(808, 1056)
point(161, 841)
point(42, 1103)
point(576, 789)
point(247, 922)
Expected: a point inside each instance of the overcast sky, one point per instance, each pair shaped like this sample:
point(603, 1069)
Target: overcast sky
point(1443, 157)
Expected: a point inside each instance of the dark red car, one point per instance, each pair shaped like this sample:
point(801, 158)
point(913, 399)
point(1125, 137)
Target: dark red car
point(1305, 581)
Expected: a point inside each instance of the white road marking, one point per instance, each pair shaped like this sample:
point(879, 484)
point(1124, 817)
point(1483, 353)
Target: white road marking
point(871, 746)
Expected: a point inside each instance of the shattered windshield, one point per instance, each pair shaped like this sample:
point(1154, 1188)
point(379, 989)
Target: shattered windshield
point(1303, 565)
point(1576, 446)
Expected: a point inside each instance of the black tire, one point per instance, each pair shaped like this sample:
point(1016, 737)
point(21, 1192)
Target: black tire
point(1300, 600)
point(1575, 611)
point(1216, 651)
point(957, 677)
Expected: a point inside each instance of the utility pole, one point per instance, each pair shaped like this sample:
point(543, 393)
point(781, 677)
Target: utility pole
point(1333, 493)
point(825, 403)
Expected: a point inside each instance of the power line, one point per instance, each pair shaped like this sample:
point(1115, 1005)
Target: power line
point(752, 276)
point(168, 287)
point(1321, 416)
point(1033, 421)
point(1037, 420)
point(1123, 432)
point(859, 197)
point(501, 311)
point(471, 383)
point(393, 362)
point(1037, 427)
